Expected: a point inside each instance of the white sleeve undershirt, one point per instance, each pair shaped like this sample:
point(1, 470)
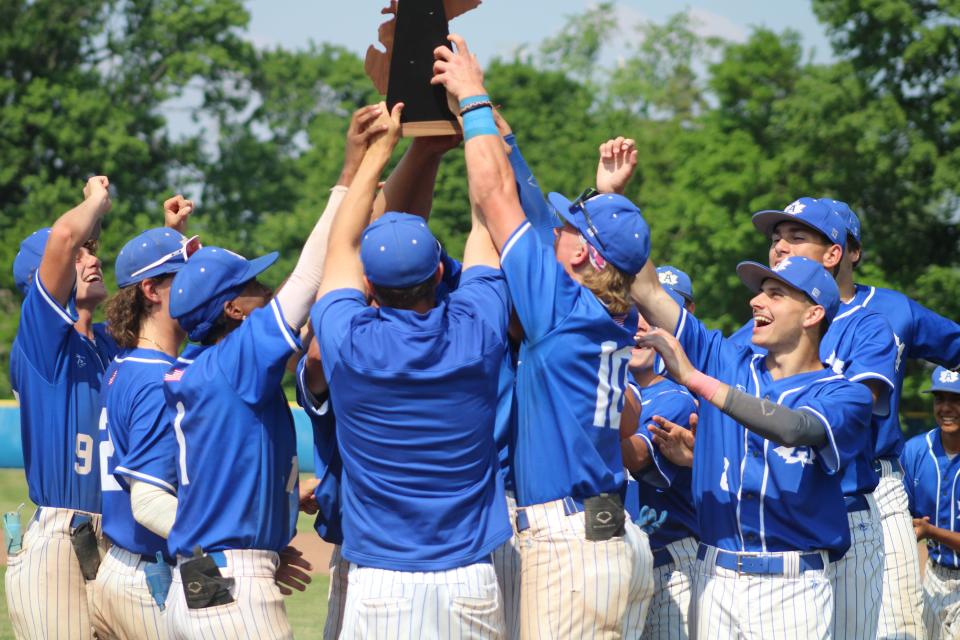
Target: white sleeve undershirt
point(153, 507)
point(297, 294)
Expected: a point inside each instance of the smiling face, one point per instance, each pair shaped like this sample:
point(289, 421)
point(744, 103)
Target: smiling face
point(794, 239)
point(946, 410)
point(781, 314)
point(90, 288)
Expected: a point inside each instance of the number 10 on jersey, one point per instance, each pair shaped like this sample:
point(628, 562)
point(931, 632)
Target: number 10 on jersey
point(611, 381)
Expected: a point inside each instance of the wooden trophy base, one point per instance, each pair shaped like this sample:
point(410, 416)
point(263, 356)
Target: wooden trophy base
point(429, 128)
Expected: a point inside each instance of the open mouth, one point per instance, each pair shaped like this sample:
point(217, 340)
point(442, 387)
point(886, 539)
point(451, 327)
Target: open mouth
point(760, 320)
point(94, 277)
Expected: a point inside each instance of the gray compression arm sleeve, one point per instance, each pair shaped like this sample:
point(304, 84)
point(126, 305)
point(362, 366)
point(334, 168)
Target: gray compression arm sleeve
point(775, 422)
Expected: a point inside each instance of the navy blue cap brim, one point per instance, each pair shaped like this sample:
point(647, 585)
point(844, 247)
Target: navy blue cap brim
point(170, 267)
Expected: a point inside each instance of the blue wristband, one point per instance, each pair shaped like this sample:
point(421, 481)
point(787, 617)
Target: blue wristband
point(466, 102)
point(479, 122)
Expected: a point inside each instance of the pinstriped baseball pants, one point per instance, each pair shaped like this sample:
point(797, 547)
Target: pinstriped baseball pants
point(901, 615)
point(257, 610)
point(858, 577)
point(506, 562)
point(47, 596)
point(336, 595)
point(573, 588)
point(462, 603)
point(120, 602)
point(941, 601)
point(726, 604)
point(673, 589)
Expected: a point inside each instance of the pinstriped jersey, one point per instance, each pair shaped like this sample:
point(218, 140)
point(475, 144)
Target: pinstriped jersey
point(932, 482)
point(56, 374)
point(752, 494)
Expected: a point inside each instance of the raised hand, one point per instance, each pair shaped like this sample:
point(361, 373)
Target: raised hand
point(176, 212)
point(458, 71)
point(673, 441)
point(385, 139)
point(673, 355)
point(291, 574)
point(96, 192)
point(618, 161)
point(363, 127)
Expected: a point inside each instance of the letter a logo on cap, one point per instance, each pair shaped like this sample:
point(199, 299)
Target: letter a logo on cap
point(669, 277)
point(795, 208)
point(949, 376)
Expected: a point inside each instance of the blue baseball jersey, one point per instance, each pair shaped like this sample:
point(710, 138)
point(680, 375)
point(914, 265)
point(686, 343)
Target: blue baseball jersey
point(415, 397)
point(571, 376)
point(930, 478)
point(918, 333)
point(327, 465)
point(538, 211)
point(237, 468)
point(751, 494)
point(663, 485)
point(860, 345)
point(136, 442)
point(56, 375)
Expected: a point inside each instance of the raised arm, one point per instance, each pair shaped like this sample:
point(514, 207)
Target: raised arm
point(775, 422)
point(409, 189)
point(653, 301)
point(58, 271)
point(479, 250)
point(489, 173)
point(342, 267)
point(176, 213)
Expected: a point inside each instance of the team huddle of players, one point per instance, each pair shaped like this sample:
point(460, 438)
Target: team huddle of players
point(539, 441)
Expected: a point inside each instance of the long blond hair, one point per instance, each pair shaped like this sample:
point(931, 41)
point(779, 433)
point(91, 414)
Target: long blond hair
point(610, 285)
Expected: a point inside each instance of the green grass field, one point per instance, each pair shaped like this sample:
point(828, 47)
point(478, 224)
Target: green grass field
point(307, 611)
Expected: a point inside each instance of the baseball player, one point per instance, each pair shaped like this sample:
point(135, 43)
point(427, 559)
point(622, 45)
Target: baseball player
point(931, 470)
point(227, 407)
point(56, 364)
point(135, 441)
point(660, 484)
point(918, 333)
point(423, 504)
point(774, 432)
point(859, 344)
point(584, 568)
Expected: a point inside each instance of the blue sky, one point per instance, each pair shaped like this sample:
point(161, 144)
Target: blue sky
point(499, 27)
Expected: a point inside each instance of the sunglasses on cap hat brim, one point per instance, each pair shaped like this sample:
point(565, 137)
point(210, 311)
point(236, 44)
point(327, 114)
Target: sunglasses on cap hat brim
point(188, 246)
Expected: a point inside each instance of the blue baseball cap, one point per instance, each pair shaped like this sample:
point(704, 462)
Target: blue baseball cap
point(211, 277)
point(850, 218)
point(810, 212)
point(802, 274)
point(398, 251)
point(677, 284)
point(612, 225)
point(28, 258)
point(153, 253)
point(944, 380)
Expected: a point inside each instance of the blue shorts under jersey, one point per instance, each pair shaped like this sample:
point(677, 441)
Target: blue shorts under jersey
point(56, 374)
point(571, 376)
point(751, 494)
point(931, 479)
point(415, 398)
point(137, 443)
point(237, 467)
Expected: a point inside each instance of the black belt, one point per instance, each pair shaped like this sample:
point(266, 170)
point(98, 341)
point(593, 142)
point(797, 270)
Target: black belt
point(894, 461)
point(856, 503)
point(662, 558)
point(767, 565)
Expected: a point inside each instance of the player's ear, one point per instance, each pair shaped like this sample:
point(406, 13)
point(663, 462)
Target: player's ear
point(233, 311)
point(813, 316)
point(149, 290)
point(580, 255)
point(832, 257)
point(438, 274)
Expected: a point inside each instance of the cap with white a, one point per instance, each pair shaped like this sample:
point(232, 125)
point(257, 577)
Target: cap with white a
point(399, 251)
point(944, 380)
point(677, 284)
point(799, 273)
point(808, 212)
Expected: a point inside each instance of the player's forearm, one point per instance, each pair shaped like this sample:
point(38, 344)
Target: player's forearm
point(409, 189)
point(479, 249)
point(354, 213)
point(492, 187)
point(654, 303)
point(945, 537)
point(635, 453)
point(153, 507)
point(298, 292)
point(67, 236)
point(775, 422)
